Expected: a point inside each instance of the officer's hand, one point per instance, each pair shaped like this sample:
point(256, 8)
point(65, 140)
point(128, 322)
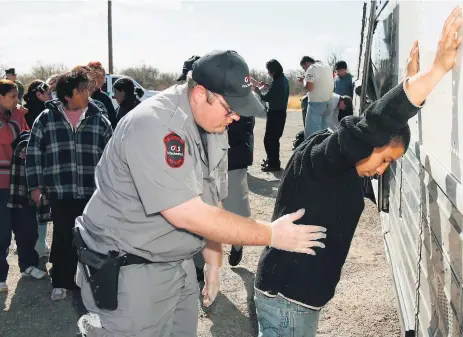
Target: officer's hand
point(212, 284)
point(296, 238)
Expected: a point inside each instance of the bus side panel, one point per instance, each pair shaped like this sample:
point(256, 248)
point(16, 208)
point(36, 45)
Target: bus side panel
point(431, 198)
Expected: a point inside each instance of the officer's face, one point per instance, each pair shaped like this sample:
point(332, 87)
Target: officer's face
point(211, 112)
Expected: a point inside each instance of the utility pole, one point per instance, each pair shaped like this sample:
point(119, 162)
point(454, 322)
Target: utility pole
point(110, 37)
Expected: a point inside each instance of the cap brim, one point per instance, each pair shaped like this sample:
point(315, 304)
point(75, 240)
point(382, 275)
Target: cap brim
point(247, 106)
point(182, 77)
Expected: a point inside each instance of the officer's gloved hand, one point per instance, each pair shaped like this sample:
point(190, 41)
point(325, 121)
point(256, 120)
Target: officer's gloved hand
point(212, 284)
point(296, 238)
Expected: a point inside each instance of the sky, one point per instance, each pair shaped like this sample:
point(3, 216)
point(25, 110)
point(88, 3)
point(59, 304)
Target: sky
point(164, 33)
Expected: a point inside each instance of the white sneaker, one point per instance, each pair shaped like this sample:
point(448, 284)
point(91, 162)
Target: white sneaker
point(88, 322)
point(34, 273)
point(3, 287)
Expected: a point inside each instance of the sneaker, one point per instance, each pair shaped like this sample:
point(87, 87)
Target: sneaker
point(271, 169)
point(236, 254)
point(3, 287)
point(88, 322)
point(34, 272)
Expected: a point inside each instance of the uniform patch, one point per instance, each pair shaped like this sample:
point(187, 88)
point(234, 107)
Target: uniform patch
point(175, 150)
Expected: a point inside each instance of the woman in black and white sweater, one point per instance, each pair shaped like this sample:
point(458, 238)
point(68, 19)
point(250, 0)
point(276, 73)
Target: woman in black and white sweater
point(323, 177)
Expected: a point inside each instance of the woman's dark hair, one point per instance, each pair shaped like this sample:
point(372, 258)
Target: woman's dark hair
point(274, 67)
point(306, 59)
point(33, 104)
point(6, 86)
point(401, 137)
point(31, 95)
point(349, 111)
point(127, 86)
point(69, 81)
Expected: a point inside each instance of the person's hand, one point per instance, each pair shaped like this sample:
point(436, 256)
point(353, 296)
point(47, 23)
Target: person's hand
point(300, 79)
point(413, 62)
point(35, 195)
point(263, 84)
point(449, 42)
point(257, 90)
point(211, 284)
point(296, 238)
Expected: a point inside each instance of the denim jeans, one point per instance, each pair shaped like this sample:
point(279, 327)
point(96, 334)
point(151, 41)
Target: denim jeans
point(278, 317)
point(317, 118)
point(5, 233)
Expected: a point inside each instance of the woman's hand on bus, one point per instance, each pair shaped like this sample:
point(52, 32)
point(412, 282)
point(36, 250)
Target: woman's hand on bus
point(413, 62)
point(449, 42)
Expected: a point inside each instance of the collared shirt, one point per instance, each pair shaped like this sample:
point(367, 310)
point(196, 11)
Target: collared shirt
point(154, 161)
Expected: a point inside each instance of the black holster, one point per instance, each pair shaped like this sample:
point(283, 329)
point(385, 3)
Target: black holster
point(102, 271)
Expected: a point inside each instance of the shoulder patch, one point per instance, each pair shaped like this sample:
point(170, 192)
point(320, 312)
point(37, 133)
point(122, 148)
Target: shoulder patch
point(175, 150)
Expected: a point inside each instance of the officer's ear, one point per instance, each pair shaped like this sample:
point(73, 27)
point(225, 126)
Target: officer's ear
point(199, 94)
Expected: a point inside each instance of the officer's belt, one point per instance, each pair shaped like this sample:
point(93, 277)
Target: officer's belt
point(102, 271)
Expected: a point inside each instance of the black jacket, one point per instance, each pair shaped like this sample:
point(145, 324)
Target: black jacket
point(241, 139)
point(278, 94)
point(321, 177)
point(125, 107)
point(103, 98)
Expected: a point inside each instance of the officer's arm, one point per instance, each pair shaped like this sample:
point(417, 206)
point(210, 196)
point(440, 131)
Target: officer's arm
point(212, 253)
point(218, 225)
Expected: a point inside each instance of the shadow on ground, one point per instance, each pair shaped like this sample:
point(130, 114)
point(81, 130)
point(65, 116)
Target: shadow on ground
point(227, 319)
point(31, 305)
point(264, 187)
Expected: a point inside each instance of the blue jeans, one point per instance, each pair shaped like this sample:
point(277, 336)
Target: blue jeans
point(5, 233)
point(317, 117)
point(278, 317)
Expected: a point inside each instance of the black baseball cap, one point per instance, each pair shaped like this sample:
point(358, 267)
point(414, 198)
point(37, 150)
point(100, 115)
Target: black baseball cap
point(10, 71)
point(187, 67)
point(226, 73)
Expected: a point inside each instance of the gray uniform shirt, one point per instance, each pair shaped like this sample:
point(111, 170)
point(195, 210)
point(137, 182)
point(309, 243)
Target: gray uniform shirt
point(154, 161)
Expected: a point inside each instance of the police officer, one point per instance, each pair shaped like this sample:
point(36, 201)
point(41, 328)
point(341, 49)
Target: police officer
point(147, 219)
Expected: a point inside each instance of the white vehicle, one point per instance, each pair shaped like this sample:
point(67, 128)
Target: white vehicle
point(141, 92)
point(420, 199)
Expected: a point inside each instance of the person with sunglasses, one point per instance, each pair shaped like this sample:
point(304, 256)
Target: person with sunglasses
point(37, 94)
point(159, 179)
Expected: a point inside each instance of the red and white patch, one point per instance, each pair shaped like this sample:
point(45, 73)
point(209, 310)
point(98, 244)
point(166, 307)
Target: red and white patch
point(175, 150)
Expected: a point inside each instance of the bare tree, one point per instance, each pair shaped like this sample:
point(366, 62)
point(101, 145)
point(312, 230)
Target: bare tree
point(146, 75)
point(332, 59)
point(41, 71)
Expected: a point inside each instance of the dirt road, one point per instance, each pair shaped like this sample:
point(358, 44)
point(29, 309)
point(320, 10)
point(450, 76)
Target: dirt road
point(363, 306)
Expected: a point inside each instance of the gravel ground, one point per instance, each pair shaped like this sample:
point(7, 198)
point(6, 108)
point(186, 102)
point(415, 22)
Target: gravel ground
point(364, 304)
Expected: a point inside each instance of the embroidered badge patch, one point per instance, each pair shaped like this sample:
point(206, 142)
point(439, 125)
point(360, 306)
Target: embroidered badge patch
point(175, 150)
